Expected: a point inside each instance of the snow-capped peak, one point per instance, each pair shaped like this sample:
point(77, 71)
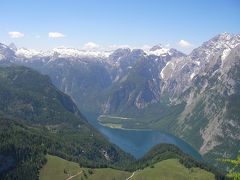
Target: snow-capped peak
point(221, 43)
point(30, 53)
point(224, 36)
point(158, 50)
point(63, 52)
point(156, 47)
point(72, 52)
point(5, 51)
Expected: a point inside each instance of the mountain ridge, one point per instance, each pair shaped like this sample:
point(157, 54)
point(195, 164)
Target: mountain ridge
point(190, 96)
point(36, 118)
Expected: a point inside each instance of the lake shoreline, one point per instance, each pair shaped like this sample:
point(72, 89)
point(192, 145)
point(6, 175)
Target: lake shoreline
point(138, 142)
point(127, 129)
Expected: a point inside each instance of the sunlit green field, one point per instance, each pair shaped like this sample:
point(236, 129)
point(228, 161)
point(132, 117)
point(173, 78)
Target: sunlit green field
point(113, 121)
point(60, 169)
point(171, 169)
point(112, 125)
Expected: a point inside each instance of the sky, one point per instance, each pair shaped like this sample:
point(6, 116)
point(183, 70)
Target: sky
point(182, 24)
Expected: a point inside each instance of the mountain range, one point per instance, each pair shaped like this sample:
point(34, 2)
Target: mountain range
point(195, 97)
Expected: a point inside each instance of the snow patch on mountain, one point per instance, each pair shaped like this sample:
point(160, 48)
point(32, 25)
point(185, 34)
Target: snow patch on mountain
point(167, 70)
point(62, 52)
point(225, 53)
point(71, 52)
point(158, 50)
point(192, 75)
point(30, 53)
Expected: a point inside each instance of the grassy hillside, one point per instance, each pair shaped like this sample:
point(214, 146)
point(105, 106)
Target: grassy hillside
point(171, 169)
point(163, 161)
point(60, 169)
point(163, 152)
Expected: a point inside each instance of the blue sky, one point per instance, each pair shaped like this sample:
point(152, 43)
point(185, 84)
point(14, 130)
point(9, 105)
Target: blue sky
point(110, 22)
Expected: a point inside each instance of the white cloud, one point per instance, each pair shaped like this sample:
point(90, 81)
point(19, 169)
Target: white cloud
point(90, 45)
point(184, 44)
point(55, 35)
point(15, 34)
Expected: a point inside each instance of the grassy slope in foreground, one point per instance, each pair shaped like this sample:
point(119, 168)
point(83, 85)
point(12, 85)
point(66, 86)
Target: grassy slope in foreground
point(166, 169)
point(54, 170)
point(172, 169)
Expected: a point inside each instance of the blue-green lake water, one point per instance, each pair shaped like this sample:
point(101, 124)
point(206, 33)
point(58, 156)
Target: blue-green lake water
point(139, 142)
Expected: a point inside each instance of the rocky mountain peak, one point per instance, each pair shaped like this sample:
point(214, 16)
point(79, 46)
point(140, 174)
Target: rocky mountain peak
point(156, 47)
point(158, 50)
point(175, 53)
point(223, 40)
point(223, 36)
point(220, 44)
point(5, 51)
point(121, 52)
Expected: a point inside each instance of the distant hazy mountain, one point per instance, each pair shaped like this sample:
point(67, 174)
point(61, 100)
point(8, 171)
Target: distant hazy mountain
point(195, 96)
